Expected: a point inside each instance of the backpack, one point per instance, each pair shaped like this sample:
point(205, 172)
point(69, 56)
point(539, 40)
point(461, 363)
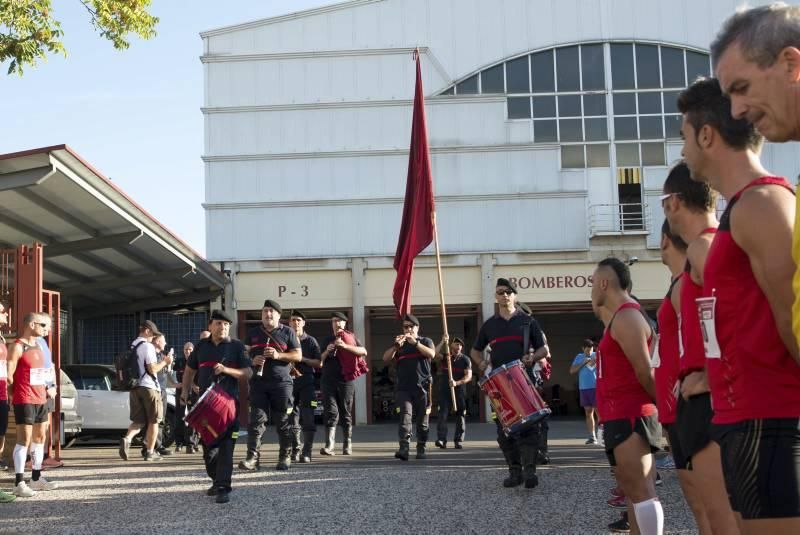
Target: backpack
point(128, 371)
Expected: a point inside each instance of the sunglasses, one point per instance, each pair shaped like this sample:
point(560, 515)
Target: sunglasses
point(666, 196)
point(408, 326)
point(504, 292)
point(43, 325)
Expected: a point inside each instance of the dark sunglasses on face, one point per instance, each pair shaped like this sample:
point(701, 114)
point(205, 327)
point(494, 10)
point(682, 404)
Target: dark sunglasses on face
point(504, 292)
point(42, 325)
point(408, 326)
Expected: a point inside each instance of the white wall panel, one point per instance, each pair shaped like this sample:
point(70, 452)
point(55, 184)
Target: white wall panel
point(372, 229)
point(782, 160)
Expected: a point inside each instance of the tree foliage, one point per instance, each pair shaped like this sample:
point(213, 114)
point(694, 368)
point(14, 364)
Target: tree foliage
point(29, 30)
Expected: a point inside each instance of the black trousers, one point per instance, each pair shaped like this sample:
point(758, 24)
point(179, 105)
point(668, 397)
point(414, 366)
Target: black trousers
point(184, 434)
point(218, 458)
point(268, 400)
point(519, 448)
point(337, 400)
point(305, 400)
point(414, 403)
point(445, 404)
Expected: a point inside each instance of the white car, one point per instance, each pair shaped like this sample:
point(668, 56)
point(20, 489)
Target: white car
point(104, 407)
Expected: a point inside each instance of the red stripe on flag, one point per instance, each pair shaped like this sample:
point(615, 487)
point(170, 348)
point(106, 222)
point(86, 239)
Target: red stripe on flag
point(416, 228)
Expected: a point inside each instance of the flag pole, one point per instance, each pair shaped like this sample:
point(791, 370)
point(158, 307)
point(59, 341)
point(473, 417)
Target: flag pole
point(446, 348)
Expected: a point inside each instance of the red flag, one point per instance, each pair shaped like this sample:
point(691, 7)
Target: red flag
point(416, 230)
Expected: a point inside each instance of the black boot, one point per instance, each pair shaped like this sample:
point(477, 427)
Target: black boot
point(308, 445)
point(514, 478)
point(330, 441)
point(284, 448)
point(528, 456)
point(250, 464)
point(347, 441)
point(296, 445)
point(402, 453)
point(421, 451)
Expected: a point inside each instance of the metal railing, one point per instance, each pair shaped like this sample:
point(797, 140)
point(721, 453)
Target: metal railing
point(626, 218)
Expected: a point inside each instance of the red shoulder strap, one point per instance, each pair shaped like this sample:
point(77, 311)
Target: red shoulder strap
point(765, 181)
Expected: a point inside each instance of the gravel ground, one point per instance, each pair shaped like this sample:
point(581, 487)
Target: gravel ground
point(450, 492)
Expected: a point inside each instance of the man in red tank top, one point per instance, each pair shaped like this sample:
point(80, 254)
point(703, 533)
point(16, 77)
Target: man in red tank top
point(667, 366)
point(690, 206)
point(746, 316)
point(29, 378)
point(625, 394)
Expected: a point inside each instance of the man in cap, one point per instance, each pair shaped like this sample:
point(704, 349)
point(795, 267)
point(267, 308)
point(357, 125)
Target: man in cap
point(342, 350)
point(273, 349)
point(462, 375)
point(145, 398)
point(508, 333)
point(412, 354)
point(222, 359)
point(304, 394)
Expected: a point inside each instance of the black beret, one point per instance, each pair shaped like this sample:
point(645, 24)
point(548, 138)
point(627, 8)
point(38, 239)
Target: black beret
point(412, 318)
point(269, 303)
point(339, 316)
point(298, 314)
point(525, 308)
point(220, 315)
point(458, 340)
point(505, 282)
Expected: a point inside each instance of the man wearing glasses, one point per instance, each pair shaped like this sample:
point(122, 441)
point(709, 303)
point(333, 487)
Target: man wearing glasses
point(29, 376)
point(506, 334)
point(412, 354)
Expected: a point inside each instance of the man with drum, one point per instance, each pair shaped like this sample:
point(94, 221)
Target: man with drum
point(222, 360)
point(509, 333)
point(412, 354)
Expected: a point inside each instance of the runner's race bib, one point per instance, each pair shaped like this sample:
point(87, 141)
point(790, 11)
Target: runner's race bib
point(40, 376)
point(705, 310)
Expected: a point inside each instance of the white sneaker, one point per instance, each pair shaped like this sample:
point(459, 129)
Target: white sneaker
point(23, 490)
point(43, 484)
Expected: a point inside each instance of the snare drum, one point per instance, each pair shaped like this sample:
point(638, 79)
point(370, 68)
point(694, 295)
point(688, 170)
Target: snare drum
point(516, 402)
point(213, 414)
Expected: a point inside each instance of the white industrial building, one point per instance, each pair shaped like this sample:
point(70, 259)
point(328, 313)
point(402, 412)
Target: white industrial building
point(552, 124)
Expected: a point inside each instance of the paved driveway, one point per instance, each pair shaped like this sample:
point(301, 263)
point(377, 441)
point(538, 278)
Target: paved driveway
point(371, 492)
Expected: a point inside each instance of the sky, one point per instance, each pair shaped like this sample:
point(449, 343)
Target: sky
point(135, 114)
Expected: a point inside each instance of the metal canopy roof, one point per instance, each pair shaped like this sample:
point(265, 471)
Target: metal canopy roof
point(103, 252)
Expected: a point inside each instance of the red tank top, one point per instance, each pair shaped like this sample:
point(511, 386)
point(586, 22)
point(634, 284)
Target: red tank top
point(30, 376)
point(692, 356)
point(667, 366)
point(751, 373)
point(619, 393)
point(3, 372)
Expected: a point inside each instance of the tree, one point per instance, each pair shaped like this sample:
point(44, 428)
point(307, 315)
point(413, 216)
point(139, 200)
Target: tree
point(28, 30)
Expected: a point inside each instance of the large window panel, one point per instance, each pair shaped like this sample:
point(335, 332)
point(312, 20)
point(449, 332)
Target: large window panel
point(624, 103)
point(544, 107)
point(651, 128)
point(572, 157)
point(672, 73)
point(597, 156)
point(518, 76)
point(543, 72)
point(593, 68)
point(671, 101)
point(569, 106)
point(697, 64)
point(594, 104)
point(647, 71)
point(649, 103)
point(627, 155)
point(653, 154)
point(625, 128)
point(570, 129)
point(468, 86)
point(622, 75)
point(492, 80)
point(567, 69)
point(519, 107)
point(596, 129)
point(672, 125)
point(545, 131)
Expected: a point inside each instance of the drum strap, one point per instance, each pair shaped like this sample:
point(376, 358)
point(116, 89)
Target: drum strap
point(526, 337)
